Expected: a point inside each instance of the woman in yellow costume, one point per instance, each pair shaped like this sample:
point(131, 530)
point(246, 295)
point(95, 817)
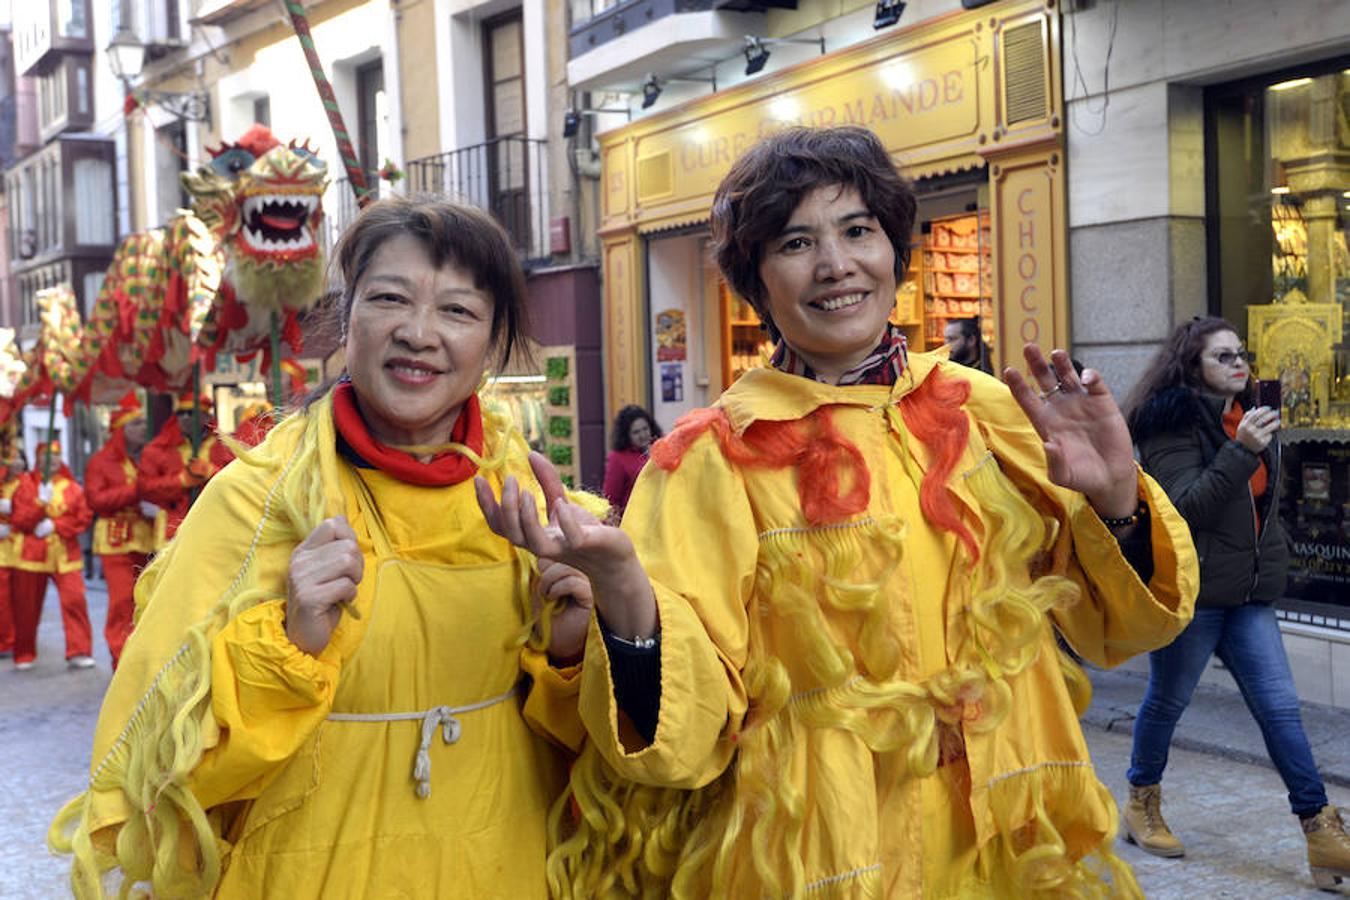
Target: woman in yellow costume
point(824, 660)
point(338, 685)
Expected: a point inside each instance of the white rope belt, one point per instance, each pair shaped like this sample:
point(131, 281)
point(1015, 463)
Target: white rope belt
point(444, 716)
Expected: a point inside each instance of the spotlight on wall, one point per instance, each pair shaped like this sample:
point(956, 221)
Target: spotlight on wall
point(756, 54)
point(572, 117)
point(651, 89)
point(888, 13)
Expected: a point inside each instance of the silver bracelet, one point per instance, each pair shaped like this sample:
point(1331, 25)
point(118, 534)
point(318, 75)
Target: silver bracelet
point(640, 643)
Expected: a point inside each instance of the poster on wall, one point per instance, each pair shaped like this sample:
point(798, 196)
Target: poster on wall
point(1316, 515)
point(672, 342)
point(672, 382)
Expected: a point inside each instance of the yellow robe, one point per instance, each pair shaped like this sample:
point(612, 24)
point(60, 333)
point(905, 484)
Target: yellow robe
point(728, 548)
point(309, 796)
point(9, 545)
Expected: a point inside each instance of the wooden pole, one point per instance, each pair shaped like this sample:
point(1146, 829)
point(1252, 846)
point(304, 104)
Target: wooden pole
point(51, 435)
point(278, 400)
point(355, 174)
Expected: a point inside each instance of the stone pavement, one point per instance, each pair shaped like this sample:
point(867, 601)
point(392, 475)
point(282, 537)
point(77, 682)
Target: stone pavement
point(1218, 722)
point(1221, 796)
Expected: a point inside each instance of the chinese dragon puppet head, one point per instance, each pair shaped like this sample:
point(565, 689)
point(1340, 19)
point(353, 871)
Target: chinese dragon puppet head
point(217, 278)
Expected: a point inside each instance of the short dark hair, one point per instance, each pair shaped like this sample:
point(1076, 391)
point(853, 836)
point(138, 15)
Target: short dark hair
point(757, 197)
point(623, 422)
point(450, 232)
point(1177, 364)
point(970, 327)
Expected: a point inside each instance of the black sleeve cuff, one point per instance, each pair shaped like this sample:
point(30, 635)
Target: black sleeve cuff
point(1137, 548)
point(636, 672)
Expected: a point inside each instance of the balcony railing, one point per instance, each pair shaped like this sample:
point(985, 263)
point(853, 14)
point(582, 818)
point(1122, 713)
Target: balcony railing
point(340, 208)
point(507, 176)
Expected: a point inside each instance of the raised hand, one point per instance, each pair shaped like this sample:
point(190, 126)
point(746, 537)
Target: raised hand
point(324, 572)
point(1087, 444)
point(1257, 427)
point(575, 537)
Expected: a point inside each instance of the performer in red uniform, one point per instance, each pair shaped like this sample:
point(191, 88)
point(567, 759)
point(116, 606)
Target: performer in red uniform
point(124, 533)
point(169, 474)
point(49, 516)
point(14, 467)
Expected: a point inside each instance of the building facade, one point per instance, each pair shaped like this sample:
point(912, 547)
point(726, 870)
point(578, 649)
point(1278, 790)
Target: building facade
point(1209, 173)
point(1090, 174)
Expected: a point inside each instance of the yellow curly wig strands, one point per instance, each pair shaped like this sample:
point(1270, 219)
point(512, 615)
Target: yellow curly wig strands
point(170, 841)
point(631, 834)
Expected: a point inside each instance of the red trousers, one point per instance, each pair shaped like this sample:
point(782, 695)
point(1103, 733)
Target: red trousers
point(120, 571)
point(28, 589)
point(6, 614)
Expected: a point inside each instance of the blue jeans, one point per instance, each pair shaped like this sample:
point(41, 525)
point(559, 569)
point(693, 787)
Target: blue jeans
point(1247, 640)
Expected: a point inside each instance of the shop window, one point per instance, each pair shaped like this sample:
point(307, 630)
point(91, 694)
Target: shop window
point(94, 214)
point(1278, 194)
point(950, 275)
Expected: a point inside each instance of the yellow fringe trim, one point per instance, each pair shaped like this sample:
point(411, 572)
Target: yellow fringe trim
point(169, 841)
point(635, 840)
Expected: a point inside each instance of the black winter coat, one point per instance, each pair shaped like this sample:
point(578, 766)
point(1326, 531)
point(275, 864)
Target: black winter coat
point(1207, 475)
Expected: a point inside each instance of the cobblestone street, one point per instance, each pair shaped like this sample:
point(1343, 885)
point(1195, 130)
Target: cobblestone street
point(1241, 841)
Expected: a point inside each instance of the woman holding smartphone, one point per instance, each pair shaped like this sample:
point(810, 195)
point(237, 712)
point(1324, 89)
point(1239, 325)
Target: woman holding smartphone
point(1215, 449)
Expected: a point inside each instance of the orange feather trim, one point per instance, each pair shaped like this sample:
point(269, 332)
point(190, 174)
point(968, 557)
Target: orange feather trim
point(833, 482)
point(933, 413)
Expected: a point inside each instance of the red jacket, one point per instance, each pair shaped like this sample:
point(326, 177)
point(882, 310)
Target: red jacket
point(70, 514)
point(621, 472)
point(163, 474)
point(110, 486)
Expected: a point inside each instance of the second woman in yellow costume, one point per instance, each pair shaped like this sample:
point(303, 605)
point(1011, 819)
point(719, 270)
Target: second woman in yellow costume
point(337, 686)
point(824, 663)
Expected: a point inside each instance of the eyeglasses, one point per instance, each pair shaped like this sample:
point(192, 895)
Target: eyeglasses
point(1231, 357)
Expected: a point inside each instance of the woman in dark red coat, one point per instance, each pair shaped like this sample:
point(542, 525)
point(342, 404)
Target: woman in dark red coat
point(634, 431)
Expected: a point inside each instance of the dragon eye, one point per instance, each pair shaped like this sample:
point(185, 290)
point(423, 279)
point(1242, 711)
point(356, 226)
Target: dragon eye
point(232, 161)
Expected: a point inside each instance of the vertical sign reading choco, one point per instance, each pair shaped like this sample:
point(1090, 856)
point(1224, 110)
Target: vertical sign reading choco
point(1029, 246)
point(624, 341)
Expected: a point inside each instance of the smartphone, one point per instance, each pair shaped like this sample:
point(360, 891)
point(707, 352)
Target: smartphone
point(1268, 393)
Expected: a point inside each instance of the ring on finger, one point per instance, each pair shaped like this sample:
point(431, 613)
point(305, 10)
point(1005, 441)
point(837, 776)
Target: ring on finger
point(1046, 395)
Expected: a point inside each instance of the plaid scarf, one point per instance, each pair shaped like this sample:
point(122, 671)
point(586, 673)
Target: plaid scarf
point(882, 366)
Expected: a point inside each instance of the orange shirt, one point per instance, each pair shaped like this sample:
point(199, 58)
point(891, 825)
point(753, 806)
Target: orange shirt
point(1230, 425)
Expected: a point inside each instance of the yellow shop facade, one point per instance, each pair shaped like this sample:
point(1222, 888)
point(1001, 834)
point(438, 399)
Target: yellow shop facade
point(969, 104)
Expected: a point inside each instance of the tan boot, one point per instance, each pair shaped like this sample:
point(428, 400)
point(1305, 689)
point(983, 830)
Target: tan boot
point(1328, 848)
point(1144, 823)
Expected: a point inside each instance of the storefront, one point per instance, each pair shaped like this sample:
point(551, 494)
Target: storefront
point(1278, 161)
point(970, 105)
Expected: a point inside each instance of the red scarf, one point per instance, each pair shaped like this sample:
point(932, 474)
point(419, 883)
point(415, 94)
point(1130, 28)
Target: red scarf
point(444, 469)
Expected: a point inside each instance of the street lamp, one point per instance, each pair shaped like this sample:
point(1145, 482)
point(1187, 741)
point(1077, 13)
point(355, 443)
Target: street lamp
point(126, 56)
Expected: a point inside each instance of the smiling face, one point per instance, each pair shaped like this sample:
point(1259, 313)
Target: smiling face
point(1223, 364)
point(417, 343)
point(829, 280)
